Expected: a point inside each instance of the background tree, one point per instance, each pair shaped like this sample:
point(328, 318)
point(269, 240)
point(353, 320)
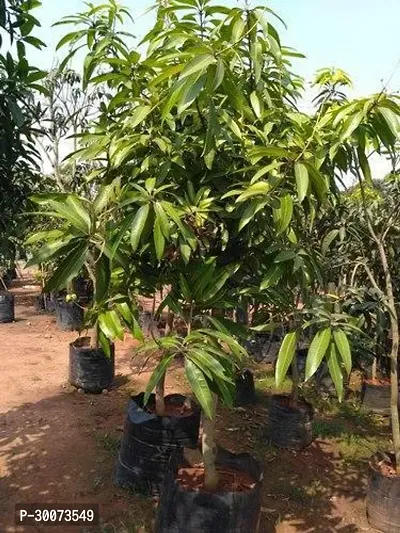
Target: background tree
point(67, 110)
point(19, 159)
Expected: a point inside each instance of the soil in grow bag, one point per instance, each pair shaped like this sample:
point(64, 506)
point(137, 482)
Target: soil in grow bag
point(90, 369)
point(383, 494)
point(290, 423)
point(6, 307)
point(149, 440)
point(234, 507)
point(245, 389)
point(69, 315)
point(376, 396)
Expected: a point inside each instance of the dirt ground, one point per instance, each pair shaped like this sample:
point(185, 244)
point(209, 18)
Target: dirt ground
point(57, 445)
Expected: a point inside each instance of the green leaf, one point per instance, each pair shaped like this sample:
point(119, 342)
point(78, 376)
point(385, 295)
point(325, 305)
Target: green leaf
point(103, 198)
point(73, 212)
point(157, 375)
point(343, 345)
point(224, 390)
point(317, 351)
point(185, 251)
point(219, 74)
point(285, 357)
point(103, 278)
point(73, 36)
point(283, 215)
point(159, 241)
point(104, 343)
point(328, 240)
point(391, 119)
point(272, 277)
point(138, 225)
point(260, 187)
point(302, 180)
point(184, 286)
point(364, 164)
point(137, 330)
point(163, 219)
point(206, 361)
point(197, 64)
point(257, 104)
point(138, 115)
point(48, 235)
point(111, 326)
point(53, 249)
point(351, 123)
point(68, 269)
point(335, 370)
point(200, 388)
point(285, 255)
point(172, 304)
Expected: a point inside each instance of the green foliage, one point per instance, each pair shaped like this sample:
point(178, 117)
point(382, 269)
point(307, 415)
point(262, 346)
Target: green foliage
point(221, 179)
point(19, 158)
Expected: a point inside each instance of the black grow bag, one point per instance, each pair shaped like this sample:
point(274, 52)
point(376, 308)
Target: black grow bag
point(383, 499)
point(376, 398)
point(245, 389)
point(183, 511)
point(44, 303)
point(69, 315)
point(90, 369)
point(290, 426)
point(6, 307)
point(149, 440)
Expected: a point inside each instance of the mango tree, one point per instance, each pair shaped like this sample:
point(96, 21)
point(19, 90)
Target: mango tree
point(203, 130)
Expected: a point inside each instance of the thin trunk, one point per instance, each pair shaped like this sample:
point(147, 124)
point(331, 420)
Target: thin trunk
point(3, 283)
point(394, 382)
point(373, 370)
point(209, 451)
point(295, 379)
point(394, 328)
point(94, 337)
point(160, 397)
point(169, 326)
point(189, 326)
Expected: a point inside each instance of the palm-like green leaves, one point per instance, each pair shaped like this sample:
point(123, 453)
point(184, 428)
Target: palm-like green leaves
point(211, 358)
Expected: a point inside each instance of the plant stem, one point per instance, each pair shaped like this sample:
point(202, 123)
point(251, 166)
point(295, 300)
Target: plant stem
point(160, 397)
point(169, 326)
point(189, 326)
point(94, 337)
point(373, 370)
point(209, 450)
point(394, 353)
point(394, 326)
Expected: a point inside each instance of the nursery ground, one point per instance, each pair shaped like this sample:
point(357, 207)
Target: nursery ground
point(57, 445)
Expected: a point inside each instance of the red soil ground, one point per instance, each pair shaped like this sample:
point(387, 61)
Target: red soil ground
point(57, 445)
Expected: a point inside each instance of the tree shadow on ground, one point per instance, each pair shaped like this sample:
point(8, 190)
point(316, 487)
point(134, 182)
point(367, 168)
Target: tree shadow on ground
point(63, 449)
point(320, 489)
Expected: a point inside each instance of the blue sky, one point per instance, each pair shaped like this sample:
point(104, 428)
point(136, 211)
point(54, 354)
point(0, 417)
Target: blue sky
point(360, 36)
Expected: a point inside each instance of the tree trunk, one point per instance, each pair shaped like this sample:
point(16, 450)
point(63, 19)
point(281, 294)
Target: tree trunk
point(160, 397)
point(394, 383)
point(373, 370)
point(94, 337)
point(169, 326)
point(209, 450)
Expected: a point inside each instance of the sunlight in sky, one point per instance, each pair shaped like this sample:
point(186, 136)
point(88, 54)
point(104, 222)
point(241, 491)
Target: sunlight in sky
point(359, 36)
